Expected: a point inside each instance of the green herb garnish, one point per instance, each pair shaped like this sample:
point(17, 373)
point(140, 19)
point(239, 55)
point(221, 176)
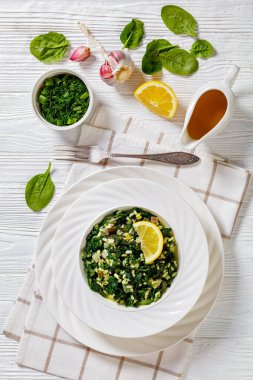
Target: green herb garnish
point(115, 265)
point(49, 47)
point(63, 99)
point(178, 20)
point(132, 34)
point(202, 49)
point(39, 190)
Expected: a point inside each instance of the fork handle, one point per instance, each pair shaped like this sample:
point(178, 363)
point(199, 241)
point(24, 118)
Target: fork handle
point(176, 158)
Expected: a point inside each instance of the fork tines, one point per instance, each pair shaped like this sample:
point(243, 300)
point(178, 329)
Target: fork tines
point(71, 153)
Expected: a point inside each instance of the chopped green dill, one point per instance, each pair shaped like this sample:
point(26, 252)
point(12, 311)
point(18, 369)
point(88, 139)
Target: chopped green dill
point(63, 99)
point(115, 265)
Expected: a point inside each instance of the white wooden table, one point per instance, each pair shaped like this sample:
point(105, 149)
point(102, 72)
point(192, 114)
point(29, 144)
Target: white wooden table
point(224, 344)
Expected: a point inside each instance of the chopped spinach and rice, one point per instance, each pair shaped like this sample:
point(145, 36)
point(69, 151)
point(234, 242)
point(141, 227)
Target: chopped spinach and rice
point(115, 265)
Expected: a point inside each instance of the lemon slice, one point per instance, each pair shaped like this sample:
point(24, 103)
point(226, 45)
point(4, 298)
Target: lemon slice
point(158, 97)
point(151, 240)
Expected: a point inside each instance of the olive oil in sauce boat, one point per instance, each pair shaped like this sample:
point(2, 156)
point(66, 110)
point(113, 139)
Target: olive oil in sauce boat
point(209, 111)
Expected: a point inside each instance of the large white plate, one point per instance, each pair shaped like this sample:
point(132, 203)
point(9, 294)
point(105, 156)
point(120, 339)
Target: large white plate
point(106, 316)
point(118, 346)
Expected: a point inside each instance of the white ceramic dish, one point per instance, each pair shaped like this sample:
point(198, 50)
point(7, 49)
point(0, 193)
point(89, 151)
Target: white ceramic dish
point(104, 315)
point(118, 346)
point(35, 104)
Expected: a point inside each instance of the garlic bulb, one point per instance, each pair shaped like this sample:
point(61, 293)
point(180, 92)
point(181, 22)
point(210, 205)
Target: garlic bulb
point(117, 68)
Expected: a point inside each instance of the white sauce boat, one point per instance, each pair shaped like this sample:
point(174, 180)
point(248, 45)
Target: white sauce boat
point(224, 86)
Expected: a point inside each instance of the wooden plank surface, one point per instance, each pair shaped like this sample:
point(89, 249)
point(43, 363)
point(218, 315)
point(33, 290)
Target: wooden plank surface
point(224, 344)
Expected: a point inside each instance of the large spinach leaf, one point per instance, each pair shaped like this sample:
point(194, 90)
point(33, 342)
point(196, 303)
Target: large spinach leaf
point(39, 190)
point(202, 49)
point(179, 61)
point(49, 47)
point(132, 34)
point(178, 20)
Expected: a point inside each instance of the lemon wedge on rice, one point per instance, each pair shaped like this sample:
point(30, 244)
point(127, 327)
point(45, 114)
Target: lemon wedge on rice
point(158, 97)
point(151, 240)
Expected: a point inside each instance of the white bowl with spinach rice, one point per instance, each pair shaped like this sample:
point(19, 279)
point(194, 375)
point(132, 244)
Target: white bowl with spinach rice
point(149, 308)
point(62, 99)
point(113, 264)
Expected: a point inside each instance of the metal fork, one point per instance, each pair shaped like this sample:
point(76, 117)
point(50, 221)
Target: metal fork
point(95, 154)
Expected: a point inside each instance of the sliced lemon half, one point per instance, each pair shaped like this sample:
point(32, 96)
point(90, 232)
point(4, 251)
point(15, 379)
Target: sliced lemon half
point(158, 97)
point(151, 240)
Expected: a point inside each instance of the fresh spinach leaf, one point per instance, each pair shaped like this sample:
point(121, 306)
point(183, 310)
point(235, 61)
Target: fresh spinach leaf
point(132, 34)
point(202, 49)
point(156, 47)
point(179, 61)
point(49, 47)
point(149, 66)
point(178, 20)
point(39, 190)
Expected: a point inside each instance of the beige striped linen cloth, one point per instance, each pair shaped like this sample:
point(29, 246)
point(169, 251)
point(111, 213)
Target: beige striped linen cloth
point(43, 344)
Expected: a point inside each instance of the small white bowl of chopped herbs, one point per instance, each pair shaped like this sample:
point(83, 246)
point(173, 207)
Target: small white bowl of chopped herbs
point(62, 99)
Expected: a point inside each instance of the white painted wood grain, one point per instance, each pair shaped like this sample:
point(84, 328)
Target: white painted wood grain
point(224, 345)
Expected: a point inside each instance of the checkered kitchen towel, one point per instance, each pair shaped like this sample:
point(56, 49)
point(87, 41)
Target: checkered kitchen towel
point(44, 345)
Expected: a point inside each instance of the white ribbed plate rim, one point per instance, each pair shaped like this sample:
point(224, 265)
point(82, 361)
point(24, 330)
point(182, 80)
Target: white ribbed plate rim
point(118, 346)
point(93, 309)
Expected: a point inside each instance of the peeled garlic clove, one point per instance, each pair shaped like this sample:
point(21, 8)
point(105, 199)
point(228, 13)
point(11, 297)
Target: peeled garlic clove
point(125, 71)
point(80, 54)
point(123, 74)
